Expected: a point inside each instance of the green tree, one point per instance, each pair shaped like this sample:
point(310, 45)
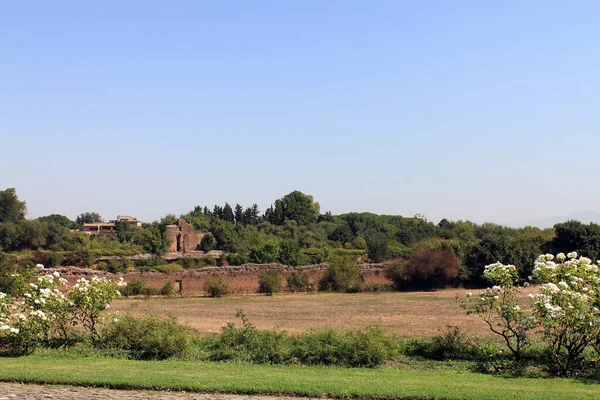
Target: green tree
point(88, 218)
point(289, 253)
point(238, 213)
point(125, 232)
point(228, 213)
point(11, 208)
point(579, 237)
point(58, 219)
point(295, 206)
point(377, 246)
point(265, 253)
point(152, 239)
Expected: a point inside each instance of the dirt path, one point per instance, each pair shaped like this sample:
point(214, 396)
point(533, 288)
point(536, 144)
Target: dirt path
point(18, 391)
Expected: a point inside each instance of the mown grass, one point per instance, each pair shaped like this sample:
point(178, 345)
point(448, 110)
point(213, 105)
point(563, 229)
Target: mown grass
point(295, 380)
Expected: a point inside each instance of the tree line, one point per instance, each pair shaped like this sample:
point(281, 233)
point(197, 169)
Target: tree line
point(293, 231)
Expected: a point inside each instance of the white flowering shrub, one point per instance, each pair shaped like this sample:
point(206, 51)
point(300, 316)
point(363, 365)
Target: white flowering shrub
point(499, 307)
point(90, 298)
point(568, 306)
point(44, 313)
point(32, 319)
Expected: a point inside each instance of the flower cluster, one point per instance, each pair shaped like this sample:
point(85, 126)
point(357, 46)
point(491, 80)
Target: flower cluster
point(498, 306)
point(502, 275)
point(44, 311)
point(566, 307)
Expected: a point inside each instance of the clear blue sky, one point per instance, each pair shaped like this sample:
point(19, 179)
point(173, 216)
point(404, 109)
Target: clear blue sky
point(480, 110)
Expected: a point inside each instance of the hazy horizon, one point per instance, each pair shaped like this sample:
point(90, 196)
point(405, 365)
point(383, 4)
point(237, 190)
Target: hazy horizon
point(465, 110)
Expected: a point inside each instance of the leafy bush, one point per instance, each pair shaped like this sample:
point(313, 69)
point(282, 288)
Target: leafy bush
point(451, 345)
point(82, 258)
point(299, 283)
point(216, 287)
point(342, 275)
point(207, 261)
point(135, 287)
point(167, 290)
point(245, 343)
point(370, 348)
point(147, 337)
point(168, 268)
point(13, 279)
point(236, 259)
point(269, 282)
point(248, 344)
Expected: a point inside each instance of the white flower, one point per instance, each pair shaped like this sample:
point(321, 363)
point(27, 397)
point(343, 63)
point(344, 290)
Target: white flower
point(572, 254)
point(549, 257)
point(14, 330)
point(468, 294)
point(39, 266)
point(56, 274)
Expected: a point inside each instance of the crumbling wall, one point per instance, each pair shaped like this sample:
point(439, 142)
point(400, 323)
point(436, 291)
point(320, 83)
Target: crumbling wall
point(240, 279)
point(183, 237)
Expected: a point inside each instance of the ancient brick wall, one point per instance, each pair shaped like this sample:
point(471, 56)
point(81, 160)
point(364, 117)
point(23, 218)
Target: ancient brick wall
point(240, 280)
point(172, 232)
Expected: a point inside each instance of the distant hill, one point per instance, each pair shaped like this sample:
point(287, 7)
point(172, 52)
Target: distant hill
point(583, 216)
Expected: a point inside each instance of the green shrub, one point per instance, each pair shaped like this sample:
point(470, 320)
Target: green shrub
point(188, 263)
point(135, 287)
point(167, 268)
point(245, 343)
point(207, 261)
point(147, 337)
point(248, 344)
point(167, 290)
point(299, 283)
point(149, 262)
point(82, 258)
point(342, 275)
point(215, 287)
point(370, 348)
point(14, 279)
point(451, 345)
point(269, 282)
point(236, 259)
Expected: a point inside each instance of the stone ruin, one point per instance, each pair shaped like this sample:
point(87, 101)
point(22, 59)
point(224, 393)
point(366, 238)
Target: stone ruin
point(183, 237)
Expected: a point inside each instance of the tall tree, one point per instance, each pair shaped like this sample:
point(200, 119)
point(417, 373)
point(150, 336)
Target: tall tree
point(295, 206)
point(88, 218)
point(239, 214)
point(11, 208)
point(228, 213)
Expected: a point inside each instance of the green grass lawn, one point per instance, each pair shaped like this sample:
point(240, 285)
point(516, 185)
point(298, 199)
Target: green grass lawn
point(297, 380)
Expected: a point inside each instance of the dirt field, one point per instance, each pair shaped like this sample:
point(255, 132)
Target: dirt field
point(415, 313)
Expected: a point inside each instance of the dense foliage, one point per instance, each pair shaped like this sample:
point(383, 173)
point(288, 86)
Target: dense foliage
point(294, 232)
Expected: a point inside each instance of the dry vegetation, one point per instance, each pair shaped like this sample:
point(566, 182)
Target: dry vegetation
point(412, 313)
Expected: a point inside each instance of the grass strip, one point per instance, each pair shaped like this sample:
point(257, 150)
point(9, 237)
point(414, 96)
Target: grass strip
point(294, 380)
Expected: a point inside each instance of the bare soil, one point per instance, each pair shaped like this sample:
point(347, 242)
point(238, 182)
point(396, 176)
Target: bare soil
point(411, 314)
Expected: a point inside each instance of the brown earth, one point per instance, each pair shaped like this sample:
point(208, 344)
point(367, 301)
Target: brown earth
point(413, 313)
